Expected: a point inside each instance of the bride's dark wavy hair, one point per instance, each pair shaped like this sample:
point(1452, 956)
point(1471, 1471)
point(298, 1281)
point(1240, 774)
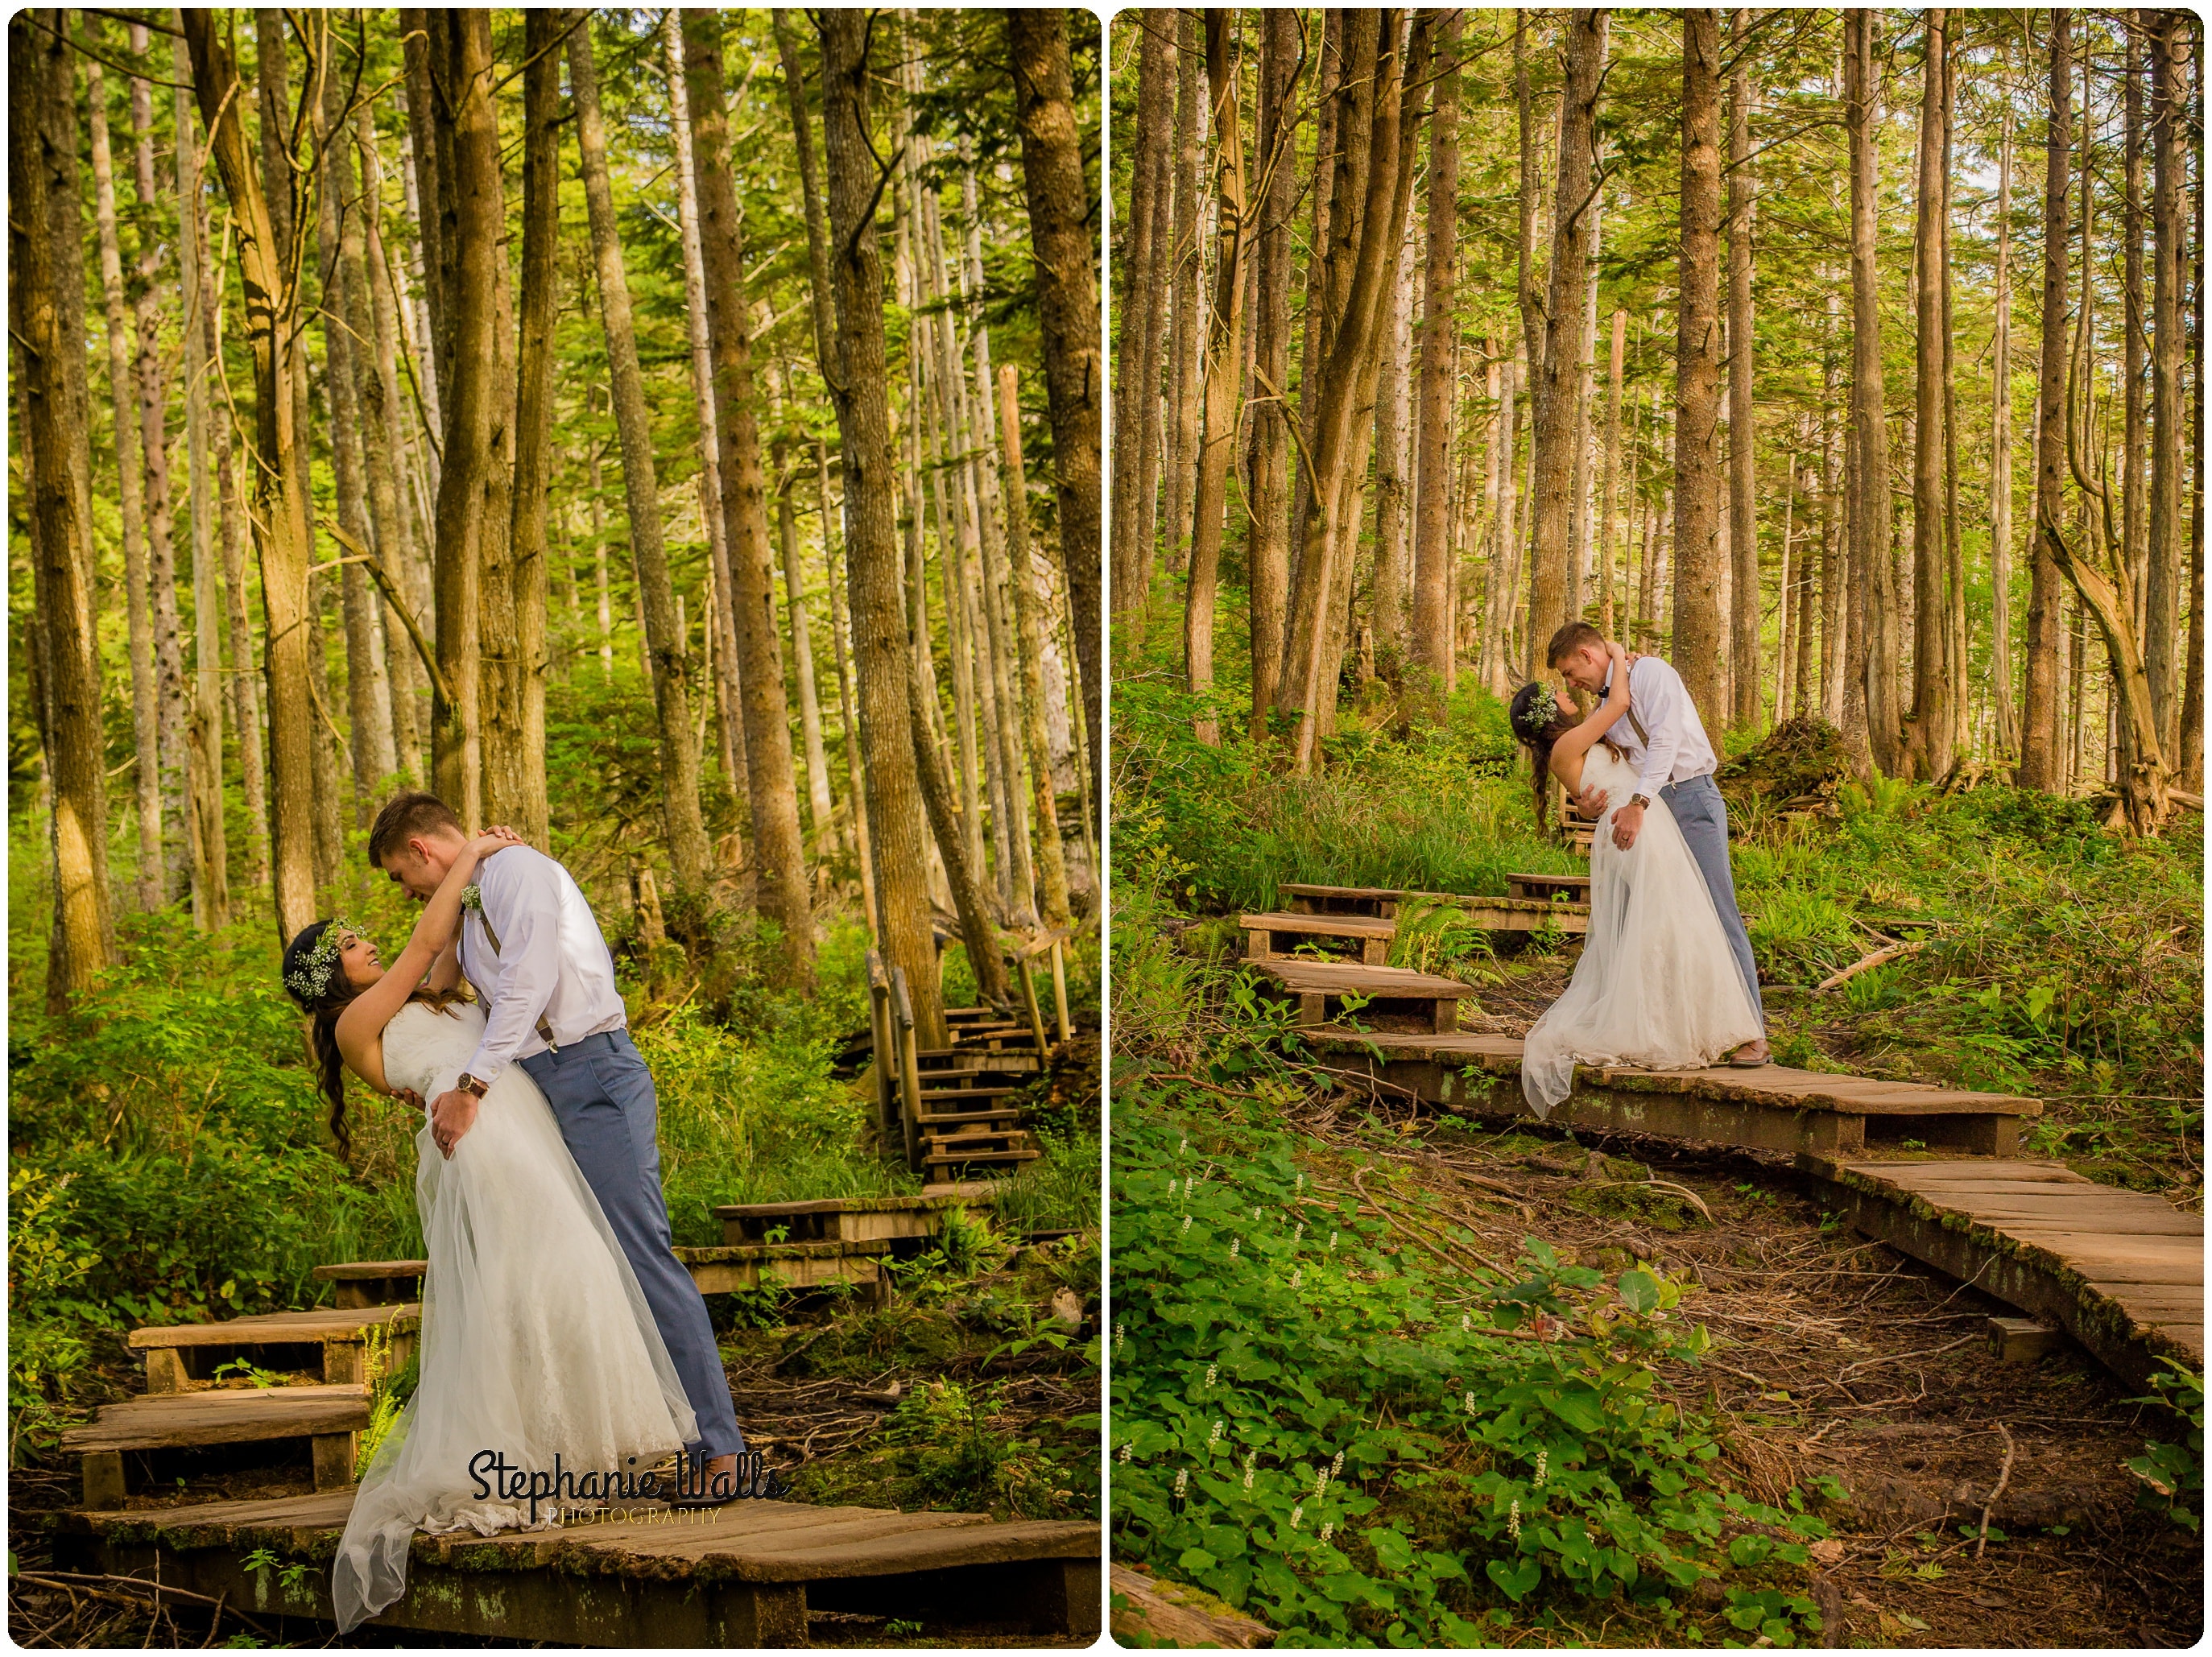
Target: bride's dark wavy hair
point(1539, 718)
point(324, 1009)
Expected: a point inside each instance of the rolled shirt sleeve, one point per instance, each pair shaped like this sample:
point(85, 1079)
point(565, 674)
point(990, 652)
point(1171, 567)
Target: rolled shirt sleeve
point(1658, 692)
point(523, 904)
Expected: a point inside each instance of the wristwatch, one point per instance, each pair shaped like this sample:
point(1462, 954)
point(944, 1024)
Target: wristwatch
point(1633, 799)
point(468, 1083)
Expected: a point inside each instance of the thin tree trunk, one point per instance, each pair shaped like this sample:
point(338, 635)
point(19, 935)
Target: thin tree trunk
point(802, 650)
point(1137, 352)
point(1557, 383)
point(1608, 501)
point(1224, 372)
point(1698, 640)
point(1330, 99)
point(2169, 44)
point(173, 696)
point(1743, 425)
point(131, 479)
point(65, 619)
point(857, 381)
point(779, 850)
point(211, 858)
point(2001, 692)
point(1876, 671)
point(1388, 600)
point(1268, 536)
point(2041, 759)
point(855, 793)
point(368, 698)
point(1432, 644)
point(1183, 260)
point(1957, 636)
point(2135, 452)
point(280, 514)
point(1930, 729)
point(1028, 609)
point(1835, 541)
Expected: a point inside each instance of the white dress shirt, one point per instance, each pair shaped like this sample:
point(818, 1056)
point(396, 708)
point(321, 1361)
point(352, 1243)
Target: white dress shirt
point(551, 962)
point(1674, 747)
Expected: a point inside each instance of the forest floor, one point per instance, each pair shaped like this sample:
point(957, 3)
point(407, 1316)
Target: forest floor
point(1834, 1357)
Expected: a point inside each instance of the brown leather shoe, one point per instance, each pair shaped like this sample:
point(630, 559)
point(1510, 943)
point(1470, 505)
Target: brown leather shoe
point(1751, 1055)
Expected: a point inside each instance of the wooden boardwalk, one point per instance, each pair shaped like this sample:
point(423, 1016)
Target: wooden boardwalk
point(1932, 1171)
point(745, 1575)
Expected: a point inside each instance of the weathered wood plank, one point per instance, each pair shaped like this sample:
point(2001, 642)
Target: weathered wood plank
point(279, 1328)
point(181, 1420)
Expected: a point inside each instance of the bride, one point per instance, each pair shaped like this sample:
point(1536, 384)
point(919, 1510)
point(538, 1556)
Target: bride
point(537, 1341)
point(1658, 986)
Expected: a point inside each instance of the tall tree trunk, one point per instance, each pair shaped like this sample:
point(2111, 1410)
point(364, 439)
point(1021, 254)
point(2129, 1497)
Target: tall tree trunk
point(173, 697)
point(857, 382)
point(1330, 100)
point(1957, 633)
point(1136, 353)
point(1029, 610)
point(1154, 442)
point(520, 771)
point(671, 666)
point(280, 490)
point(1698, 640)
point(2133, 446)
point(1183, 261)
point(1608, 501)
point(2169, 44)
point(2041, 760)
point(2001, 692)
point(369, 697)
point(210, 859)
point(1389, 598)
point(2189, 762)
point(779, 849)
point(1433, 641)
point(131, 481)
point(1743, 425)
point(819, 807)
point(65, 621)
point(1874, 671)
point(1224, 370)
point(1068, 314)
point(230, 511)
point(1268, 536)
point(1557, 383)
point(1930, 729)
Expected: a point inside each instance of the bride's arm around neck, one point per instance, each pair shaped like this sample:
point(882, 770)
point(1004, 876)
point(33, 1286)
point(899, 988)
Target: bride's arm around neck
point(363, 1021)
point(1568, 752)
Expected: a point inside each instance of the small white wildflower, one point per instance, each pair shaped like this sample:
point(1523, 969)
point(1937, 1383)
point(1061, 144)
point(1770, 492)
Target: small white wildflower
point(1186, 1224)
point(1328, 1530)
point(1321, 1484)
point(1300, 1233)
point(1235, 1244)
point(1184, 1146)
point(1119, 1331)
point(1513, 1521)
point(1337, 1465)
point(1543, 1459)
point(1125, 1455)
point(1211, 1370)
point(1298, 1278)
point(1213, 1437)
point(1466, 1323)
point(1301, 1184)
point(1332, 1242)
point(1256, 1213)
point(1251, 1458)
point(1469, 1402)
point(1182, 1485)
point(1297, 1513)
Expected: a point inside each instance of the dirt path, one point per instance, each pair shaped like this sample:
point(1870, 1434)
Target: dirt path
point(1837, 1358)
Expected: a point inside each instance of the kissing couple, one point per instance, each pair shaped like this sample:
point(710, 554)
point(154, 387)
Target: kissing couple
point(559, 1330)
point(1666, 980)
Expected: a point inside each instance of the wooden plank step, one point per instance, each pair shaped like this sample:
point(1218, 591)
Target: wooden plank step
point(328, 1342)
point(1397, 999)
point(1276, 933)
point(2122, 1271)
point(976, 1058)
point(1574, 889)
point(939, 1167)
point(935, 1094)
point(275, 1328)
point(1772, 1108)
point(740, 1576)
point(942, 1144)
point(1526, 914)
point(724, 1269)
point(1379, 902)
point(228, 1415)
point(835, 1219)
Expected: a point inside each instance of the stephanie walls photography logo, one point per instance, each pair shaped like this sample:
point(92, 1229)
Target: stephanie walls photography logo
point(582, 1498)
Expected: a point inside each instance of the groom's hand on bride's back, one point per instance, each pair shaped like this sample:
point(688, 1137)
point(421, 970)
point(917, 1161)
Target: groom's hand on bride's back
point(453, 1114)
point(1591, 802)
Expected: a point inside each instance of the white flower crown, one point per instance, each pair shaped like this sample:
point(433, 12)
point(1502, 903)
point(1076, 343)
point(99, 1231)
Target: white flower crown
point(311, 978)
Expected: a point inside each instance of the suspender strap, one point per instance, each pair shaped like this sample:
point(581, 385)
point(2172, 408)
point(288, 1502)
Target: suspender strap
point(544, 1029)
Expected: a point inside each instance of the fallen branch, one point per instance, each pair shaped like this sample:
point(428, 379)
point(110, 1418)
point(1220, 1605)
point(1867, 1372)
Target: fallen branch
point(1646, 1185)
point(95, 1586)
point(1867, 964)
point(2004, 1477)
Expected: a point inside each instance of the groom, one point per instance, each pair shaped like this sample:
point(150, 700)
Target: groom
point(1664, 739)
point(531, 943)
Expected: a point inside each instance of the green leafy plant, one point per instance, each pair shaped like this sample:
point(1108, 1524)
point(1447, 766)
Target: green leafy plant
point(2172, 1476)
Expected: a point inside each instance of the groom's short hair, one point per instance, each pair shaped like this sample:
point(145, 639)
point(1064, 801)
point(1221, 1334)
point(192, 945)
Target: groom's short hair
point(403, 817)
point(1570, 638)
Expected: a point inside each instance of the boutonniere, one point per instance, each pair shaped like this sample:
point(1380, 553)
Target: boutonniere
point(472, 898)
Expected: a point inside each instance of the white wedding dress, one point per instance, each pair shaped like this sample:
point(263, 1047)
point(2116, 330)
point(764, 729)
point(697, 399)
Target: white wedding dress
point(1658, 986)
point(536, 1338)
